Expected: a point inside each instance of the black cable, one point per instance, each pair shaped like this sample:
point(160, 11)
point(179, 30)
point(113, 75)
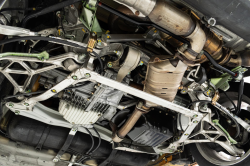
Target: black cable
point(24, 94)
point(62, 22)
point(100, 140)
point(90, 149)
point(225, 93)
point(93, 141)
point(198, 101)
point(48, 10)
point(217, 113)
point(2, 42)
point(216, 65)
point(53, 40)
point(39, 92)
point(23, 9)
point(125, 17)
point(99, 59)
point(240, 95)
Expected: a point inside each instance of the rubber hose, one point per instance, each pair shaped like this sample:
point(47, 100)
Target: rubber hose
point(216, 65)
point(240, 94)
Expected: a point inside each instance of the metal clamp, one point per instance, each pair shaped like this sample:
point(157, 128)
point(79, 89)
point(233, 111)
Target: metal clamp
point(66, 144)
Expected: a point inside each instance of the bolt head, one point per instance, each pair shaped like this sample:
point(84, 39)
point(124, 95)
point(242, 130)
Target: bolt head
point(87, 75)
point(42, 58)
point(53, 90)
point(55, 160)
point(17, 112)
point(26, 104)
point(74, 77)
point(195, 116)
point(186, 134)
point(195, 121)
point(11, 104)
point(110, 64)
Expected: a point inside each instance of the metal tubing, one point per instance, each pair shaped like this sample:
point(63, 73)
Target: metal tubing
point(125, 17)
point(130, 123)
point(113, 38)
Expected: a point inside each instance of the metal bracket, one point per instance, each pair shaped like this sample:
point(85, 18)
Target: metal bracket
point(21, 58)
point(66, 144)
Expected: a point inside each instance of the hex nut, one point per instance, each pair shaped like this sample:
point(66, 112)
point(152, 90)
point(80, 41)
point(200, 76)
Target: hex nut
point(87, 75)
point(74, 77)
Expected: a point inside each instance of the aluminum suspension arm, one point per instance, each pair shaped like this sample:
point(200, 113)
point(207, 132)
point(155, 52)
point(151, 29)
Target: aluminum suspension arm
point(84, 74)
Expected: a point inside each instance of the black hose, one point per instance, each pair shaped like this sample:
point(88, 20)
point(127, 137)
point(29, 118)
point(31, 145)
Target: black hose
point(2, 42)
point(93, 141)
point(125, 17)
point(99, 59)
point(235, 108)
point(23, 9)
point(240, 94)
point(216, 65)
point(199, 101)
point(99, 142)
point(48, 10)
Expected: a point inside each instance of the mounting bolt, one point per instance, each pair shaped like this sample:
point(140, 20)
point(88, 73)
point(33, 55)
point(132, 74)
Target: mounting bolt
point(53, 90)
point(11, 104)
point(171, 150)
point(141, 63)
point(26, 104)
point(195, 116)
point(87, 75)
point(109, 64)
point(195, 121)
point(55, 160)
point(17, 112)
point(74, 77)
point(42, 58)
point(186, 134)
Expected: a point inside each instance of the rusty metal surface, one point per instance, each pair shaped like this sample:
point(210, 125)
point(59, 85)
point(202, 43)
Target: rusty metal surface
point(172, 18)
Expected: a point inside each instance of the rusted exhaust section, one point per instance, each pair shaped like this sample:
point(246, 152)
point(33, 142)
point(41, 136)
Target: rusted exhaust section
point(174, 20)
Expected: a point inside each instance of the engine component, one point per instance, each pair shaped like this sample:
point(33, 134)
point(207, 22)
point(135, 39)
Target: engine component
point(149, 134)
point(164, 77)
point(176, 21)
point(130, 62)
point(86, 104)
point(30, 132)
point(123, 131)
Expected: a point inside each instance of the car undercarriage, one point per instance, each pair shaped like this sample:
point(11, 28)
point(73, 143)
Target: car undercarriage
point(124, 82)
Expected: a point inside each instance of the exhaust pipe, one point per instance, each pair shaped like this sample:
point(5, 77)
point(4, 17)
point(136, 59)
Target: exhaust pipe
point(174, 20)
